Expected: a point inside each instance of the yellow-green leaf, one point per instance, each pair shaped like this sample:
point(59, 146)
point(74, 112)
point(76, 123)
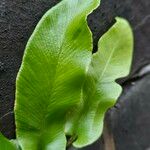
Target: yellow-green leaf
point(100, 92)
point(52, 74)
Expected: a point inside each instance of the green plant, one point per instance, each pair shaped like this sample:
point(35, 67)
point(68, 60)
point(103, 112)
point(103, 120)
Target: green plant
point(62, 88)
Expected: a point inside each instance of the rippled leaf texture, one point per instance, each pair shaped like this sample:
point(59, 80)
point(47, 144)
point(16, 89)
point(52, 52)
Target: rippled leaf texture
point(100, 92)
point(5, 144)
point(52, 74)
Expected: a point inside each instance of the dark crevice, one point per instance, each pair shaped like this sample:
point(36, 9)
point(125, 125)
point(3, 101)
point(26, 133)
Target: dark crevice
point(138, 75)
point(70, 140)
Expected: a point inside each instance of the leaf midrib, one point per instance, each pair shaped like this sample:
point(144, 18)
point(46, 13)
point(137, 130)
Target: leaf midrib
point(107, 64)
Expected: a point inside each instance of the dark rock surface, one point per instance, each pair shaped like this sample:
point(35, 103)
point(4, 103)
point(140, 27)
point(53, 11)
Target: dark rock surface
point(129, 120)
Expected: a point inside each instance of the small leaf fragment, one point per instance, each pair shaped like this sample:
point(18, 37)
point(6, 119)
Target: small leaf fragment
point(5, 144)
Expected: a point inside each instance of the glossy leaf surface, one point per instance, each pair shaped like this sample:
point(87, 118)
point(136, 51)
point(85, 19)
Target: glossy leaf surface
point(100, 92)
point(52, 74)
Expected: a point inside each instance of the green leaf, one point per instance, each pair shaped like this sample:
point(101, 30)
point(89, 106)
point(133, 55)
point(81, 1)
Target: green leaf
point(100, 92)
point(51, 75)
point(5, 144)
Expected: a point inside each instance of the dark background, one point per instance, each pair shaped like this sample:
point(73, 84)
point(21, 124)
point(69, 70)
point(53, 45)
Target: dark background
point(128, 121)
